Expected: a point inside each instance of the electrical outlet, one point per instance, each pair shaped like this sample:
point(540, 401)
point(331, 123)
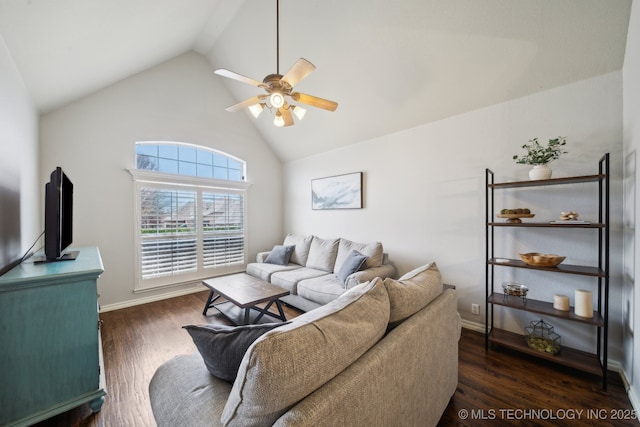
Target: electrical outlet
point(475, 309)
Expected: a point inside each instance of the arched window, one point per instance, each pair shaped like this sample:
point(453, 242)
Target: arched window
point(190, 210)
point(189, 160)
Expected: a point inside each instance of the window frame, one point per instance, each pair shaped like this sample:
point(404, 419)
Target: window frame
point(174, 182)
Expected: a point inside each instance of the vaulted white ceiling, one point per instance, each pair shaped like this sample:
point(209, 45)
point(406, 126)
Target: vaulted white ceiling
point(390, 65)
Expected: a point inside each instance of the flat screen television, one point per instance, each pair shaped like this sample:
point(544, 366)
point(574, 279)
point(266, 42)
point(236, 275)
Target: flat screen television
point(58, 218)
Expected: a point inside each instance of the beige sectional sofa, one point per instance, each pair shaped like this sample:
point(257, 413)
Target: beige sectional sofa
point(384, 353)
point(316, 272)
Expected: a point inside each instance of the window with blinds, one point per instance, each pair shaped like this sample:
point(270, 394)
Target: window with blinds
point(189, 227)
point(223, 229)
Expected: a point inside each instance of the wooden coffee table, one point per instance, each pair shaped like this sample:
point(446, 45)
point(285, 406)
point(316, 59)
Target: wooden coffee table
point(242, 294)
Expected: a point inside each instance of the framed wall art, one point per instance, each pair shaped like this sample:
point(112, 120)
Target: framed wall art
point(337, 192)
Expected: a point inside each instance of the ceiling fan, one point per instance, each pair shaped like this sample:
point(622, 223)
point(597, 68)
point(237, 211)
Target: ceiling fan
point(279, 89)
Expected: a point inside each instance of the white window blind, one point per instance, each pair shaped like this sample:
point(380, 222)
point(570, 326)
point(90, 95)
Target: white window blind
point(168, 232)
point(223, 229)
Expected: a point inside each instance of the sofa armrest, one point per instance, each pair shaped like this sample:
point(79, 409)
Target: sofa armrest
point(384, 271)
point(262, 256)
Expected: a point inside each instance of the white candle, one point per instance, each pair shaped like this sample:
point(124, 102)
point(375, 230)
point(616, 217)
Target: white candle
point(584, 303)
point(561, 302)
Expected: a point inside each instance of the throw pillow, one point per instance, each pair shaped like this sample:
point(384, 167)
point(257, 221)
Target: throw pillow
point(223, 347)
point(354, 262)
point(280, 255)
point(413, 291)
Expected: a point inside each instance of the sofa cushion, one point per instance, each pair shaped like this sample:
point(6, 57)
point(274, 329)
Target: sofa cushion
point(373, 252)
point(263, 271)
point(280, 255)
point(289, 279)
point(322, 254)
point(288, 363)
point(301, 251)
point(321, 290)
point(354, 262)
point(223, 347)
point(413, 291)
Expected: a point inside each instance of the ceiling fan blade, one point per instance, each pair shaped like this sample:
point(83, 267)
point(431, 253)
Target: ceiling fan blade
point(286, 115)
point(301, 69)
point(245, 103)
point(239, 77)
point(314, 101)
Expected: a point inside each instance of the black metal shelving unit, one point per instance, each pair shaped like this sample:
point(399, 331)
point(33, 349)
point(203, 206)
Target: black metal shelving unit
point(595, 362)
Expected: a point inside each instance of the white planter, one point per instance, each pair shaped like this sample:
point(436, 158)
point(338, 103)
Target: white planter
point(540, 172)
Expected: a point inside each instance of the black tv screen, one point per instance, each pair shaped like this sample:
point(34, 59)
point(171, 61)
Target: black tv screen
point(58, 217)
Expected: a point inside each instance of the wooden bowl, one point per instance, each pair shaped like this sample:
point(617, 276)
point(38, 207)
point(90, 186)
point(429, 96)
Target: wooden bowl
point(542, 260)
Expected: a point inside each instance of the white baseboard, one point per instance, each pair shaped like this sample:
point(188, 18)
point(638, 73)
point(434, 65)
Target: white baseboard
point(474, 326)
point(633, 397)
point(152, 298)
point(631, 392)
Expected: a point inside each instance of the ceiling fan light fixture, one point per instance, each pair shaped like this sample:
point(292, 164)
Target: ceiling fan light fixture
point(256, 109)
point(279, 86)
point(298, 111)
point(276, 99)
point(279, 120)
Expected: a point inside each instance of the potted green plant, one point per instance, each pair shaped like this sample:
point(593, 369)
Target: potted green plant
point(539, 156)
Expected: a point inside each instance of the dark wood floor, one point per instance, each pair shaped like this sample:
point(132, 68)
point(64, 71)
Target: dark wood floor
point(504, 387)
point(495, 387)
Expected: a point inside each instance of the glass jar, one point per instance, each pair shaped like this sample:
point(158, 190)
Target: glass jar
point(540, 336)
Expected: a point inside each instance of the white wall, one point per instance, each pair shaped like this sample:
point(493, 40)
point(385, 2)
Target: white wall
point(93, 141)
point(631, 301)
point(19, 145)
point(425, 193)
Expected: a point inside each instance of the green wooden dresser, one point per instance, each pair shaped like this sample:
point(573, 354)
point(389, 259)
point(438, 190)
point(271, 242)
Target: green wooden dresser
point(50, 347)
